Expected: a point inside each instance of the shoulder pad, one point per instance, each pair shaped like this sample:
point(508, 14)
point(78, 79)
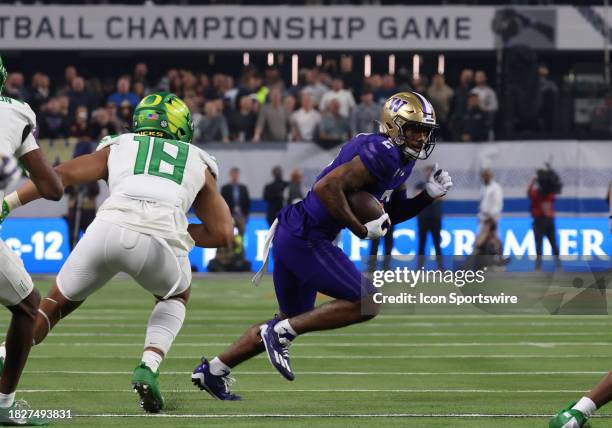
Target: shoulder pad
point(210, 161)
point(108, 141)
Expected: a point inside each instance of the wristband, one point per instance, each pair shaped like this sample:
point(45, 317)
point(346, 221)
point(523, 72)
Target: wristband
point(12, 200)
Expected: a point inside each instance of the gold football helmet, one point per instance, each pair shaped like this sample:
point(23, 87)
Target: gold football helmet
point(408, 119)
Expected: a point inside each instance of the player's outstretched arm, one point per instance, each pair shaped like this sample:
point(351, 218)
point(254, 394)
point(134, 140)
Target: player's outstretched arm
point(44, 178)
point(84, 169)
point(217, 228)
point(332, 190)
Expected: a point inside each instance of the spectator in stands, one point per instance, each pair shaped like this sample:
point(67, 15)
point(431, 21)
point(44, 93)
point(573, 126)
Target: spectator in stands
point(213, 125)
point(344, 97)
point(289, 103)
point(601, 118)
point(294, 190)
point(242, 121)
point(237, 197)
point(253, 85)
point(52, 122)
point(305, 121)
point(102, 125)
point(123, 93)
point(419, 84)
point(125, 115)
point(15, 87)
point(273, 194)
point(80, 124)
point(314, 85)
point(78, 96)
point(334, 128)
point(542, 200)
point(487, 99)
point(40, 91)
point(365, 114)
point(549, 93)
point(352, 81)
point(139, 89)
point(460, 103)
point(490, 209)
point(387, 89)
point(141, 74)
point(475, 125)
point(64, 104)
point(440, 95)
point(70, 73)
point(273, 121)
point(429, 221)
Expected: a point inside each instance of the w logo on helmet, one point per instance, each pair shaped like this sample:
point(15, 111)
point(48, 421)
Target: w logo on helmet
point(396, 103)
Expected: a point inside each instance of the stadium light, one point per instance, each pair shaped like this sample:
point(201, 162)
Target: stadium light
point(270, 59)
point(319, 60)
point(367, 66)
point(441, 64)
point(392, 64)
point(416, 66)
point(294, 69)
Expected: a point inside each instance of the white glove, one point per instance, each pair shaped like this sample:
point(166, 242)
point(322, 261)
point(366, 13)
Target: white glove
point(438, 183)
point(378, 228)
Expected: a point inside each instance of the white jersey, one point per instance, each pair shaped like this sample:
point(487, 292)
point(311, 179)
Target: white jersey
point(153, 183)
point(17, 123)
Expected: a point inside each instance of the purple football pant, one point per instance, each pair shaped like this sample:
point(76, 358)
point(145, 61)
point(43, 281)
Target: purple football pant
point(302, 268)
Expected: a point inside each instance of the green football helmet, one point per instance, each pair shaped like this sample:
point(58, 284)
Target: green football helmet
point(2, 75)
point(163, 114)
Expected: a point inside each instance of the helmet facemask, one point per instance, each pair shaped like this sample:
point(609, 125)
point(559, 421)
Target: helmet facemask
point(405, 135)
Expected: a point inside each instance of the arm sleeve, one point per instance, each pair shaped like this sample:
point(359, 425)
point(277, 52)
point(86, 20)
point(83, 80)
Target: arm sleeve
point(401, 208)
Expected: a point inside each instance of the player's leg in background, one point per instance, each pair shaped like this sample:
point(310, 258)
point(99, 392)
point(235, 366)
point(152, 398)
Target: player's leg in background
point(551, 234)
point(435, 230)
point(538, 235)
point(373, 257)
point(52, 309)
point(422, 240)
point(18, 294)
point(388, 247)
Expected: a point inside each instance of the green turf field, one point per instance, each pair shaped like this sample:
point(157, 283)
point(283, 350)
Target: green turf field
point(396, 370)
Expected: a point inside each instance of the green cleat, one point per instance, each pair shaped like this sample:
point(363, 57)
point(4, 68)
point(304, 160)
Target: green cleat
point(20, 414)
point(569, 418)
point(146, 384)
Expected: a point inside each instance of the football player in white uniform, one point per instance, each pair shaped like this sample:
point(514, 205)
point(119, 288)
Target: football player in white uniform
point(155, 175)
point(17, 293)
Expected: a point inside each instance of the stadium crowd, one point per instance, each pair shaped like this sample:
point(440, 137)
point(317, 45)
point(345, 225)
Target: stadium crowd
point(326, 107)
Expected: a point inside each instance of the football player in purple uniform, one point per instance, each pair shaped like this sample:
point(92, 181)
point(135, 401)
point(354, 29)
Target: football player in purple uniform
point(307, 262)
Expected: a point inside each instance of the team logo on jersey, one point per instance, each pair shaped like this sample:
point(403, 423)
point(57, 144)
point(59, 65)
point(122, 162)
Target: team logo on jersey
point(163, 124)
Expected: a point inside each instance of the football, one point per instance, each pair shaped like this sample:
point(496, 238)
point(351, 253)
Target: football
point(365, 206)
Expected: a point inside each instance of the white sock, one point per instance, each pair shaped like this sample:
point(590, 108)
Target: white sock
point(283, 327)
point(7, 400)
point(586, 406)
point(164, 324)
point(152, 360)
point(218, 367)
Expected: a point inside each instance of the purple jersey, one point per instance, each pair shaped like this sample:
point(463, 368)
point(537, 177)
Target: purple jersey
point(309, 219)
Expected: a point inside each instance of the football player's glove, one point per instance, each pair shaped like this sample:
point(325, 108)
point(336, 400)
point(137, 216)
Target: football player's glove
point(379, 227)
point(439, 183)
